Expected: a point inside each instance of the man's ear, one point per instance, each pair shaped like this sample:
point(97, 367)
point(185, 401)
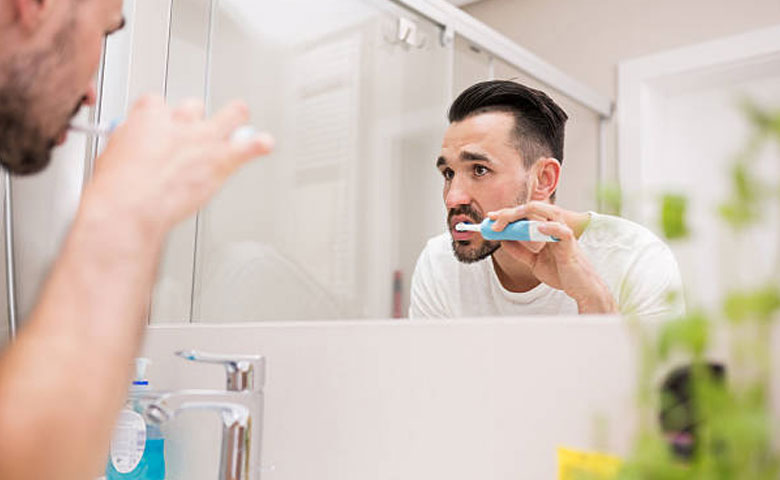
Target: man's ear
point(31, 14)
point(545, 175)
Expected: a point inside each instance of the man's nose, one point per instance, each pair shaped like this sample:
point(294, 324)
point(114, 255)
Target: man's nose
point(90, 98)
point(457, 194)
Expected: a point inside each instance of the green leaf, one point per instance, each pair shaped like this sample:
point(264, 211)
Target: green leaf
point(760, 304)
point(611, 197)
point(673, 216)
point(688, 334)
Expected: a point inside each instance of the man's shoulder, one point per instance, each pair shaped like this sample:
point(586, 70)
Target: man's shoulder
point(637, 265)
point(616, 246)
point(608, 231)
point(620, 248)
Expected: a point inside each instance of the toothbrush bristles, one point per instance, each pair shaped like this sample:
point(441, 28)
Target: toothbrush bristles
point(466, 227)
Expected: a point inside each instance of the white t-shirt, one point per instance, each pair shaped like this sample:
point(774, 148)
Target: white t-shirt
point(638, 268)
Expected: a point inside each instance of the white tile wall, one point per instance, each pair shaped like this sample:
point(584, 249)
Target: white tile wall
point(485, 399)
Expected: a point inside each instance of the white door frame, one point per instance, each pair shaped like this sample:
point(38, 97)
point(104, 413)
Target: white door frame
point(644, 82)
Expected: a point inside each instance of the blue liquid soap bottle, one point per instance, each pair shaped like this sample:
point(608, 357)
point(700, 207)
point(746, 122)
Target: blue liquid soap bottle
point(137, 448)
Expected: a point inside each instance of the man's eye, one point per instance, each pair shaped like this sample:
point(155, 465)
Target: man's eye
point(480, 170)
point(447, 173)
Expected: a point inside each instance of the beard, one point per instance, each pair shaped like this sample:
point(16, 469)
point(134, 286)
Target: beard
point(25, 89)
point(24, 149)
point(471, 251)
point(464, 250)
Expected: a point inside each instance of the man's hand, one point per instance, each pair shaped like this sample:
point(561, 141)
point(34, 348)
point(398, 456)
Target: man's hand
point(562, 264)
point(163, 164)
point(159, 167)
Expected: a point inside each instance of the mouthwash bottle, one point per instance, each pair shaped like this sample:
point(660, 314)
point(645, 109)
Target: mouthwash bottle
point(137, 448)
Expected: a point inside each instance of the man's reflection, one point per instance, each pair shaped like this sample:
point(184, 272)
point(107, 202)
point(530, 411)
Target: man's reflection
point(501, 158)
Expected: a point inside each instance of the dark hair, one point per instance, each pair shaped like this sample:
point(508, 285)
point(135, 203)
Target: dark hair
point(539, 122)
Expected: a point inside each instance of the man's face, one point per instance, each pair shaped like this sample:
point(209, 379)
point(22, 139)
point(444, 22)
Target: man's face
point(483, 171)
point(48, 76)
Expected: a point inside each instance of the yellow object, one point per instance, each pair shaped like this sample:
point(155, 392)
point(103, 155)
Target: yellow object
point(579, 465)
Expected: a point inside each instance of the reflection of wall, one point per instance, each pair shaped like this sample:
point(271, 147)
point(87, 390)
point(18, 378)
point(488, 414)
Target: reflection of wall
point(246, 208)
point(588, 39)
point(691, 130)
point(296, 199)
point(349, 111)
point(471, 65)
point(323, 202)
point(703, 130)
point(171, 300)
point(245, 278)
point(44, 206)
point(406, 101)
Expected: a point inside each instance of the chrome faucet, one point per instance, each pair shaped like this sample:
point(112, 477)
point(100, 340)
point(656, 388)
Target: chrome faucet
point(238, 405)
point(240, 369)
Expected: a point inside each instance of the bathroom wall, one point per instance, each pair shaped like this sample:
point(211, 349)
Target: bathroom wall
point(385, 400)
point(588, 39)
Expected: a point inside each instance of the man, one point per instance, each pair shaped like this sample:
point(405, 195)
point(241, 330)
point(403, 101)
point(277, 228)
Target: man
point(63, 381)
point(501, 158)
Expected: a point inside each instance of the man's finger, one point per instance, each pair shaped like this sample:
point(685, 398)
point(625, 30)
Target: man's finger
point(546, 210)
point(504, 217)
point(148, 102)
point(535, 247)
point(561, 231)
point(241, 151)
point(190, 110)
point(229, 118)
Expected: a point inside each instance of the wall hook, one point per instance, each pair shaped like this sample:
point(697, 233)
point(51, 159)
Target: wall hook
point(406, 34)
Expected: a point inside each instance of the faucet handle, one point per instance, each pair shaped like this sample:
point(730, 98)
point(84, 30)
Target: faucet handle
point(240, 369)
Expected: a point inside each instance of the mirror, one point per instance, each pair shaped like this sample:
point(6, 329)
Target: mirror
point(331, 224)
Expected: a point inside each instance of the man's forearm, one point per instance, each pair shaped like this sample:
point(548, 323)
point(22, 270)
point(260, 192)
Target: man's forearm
point(63, 381)
point(598, 300)
point(79, 343)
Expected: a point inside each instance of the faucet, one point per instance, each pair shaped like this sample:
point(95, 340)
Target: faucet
point(240, 369)
point(243, 397)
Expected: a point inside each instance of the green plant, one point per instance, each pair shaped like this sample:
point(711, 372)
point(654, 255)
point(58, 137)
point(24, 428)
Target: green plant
point(731, 418)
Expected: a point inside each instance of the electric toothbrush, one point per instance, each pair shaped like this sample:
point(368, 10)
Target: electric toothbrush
point(521, 231)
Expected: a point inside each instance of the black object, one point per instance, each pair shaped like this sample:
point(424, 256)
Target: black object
point(678, 416)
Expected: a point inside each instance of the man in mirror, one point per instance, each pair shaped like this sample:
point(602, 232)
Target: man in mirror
point(63, 381)
point(501, 158)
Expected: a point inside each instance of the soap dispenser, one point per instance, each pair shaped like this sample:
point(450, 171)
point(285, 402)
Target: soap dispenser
point(137, 447)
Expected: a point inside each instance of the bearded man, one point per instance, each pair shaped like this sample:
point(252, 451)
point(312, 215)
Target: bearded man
point(63, 381)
